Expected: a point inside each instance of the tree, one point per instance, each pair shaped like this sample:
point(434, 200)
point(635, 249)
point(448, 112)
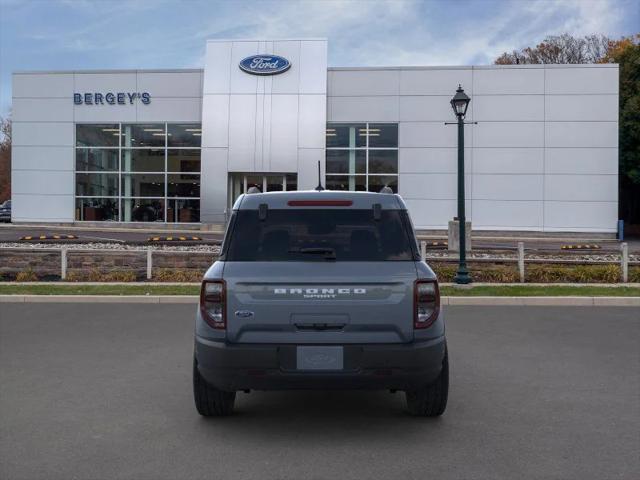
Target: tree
point(626, 53)
point(560, 49)
point(600, 49)
point(5, 159)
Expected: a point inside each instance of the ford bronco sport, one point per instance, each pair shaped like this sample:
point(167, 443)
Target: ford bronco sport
point(318, 290)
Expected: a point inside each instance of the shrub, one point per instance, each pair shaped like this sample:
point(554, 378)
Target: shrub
point(572, 273)
point(96, 275)
point(480, 272)
point(634, 274)
point(176, 275)
point(26, 276)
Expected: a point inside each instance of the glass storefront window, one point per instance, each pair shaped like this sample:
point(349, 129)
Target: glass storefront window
point(346, 161)
point(144, 135)
point(143, 185)
point(346, 135)
point(143, 209)
point(184, 135)
point(142, 160)
point(383, 135)
point(183, 211)
point(97, 135)
point(363, 151)
point(347, 182)
point(383, 161)
point(187, 161)
point(96, 160)
point(96, 184)
point(181, 185)
point(140, 167)
point(378, 182)
point(96, 209)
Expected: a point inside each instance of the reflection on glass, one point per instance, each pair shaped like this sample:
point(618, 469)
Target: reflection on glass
point(346, 161)
point(102, 135)
point(183, 161)
point(383, 161)
point(254, 181)
point(143, 135)
point(143, 160)
point(377, 183)
point(292, 182)
point(182, 185)
point(143, 210)
point(143, 185)
point(346, 182)
point(383, 135)
point(183, 211)
point(184, 135)
point(346, 135)
point(275, 183)
point(96, 160)
point(96, 209)
point(97, 184)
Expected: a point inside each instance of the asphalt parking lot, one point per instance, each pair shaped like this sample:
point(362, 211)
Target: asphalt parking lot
point(104, 391)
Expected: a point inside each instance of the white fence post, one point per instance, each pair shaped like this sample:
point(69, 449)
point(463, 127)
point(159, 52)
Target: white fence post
point(423, 249)
point(521, 261)
point(63, 263)
point(149, 262)
point(624, 262)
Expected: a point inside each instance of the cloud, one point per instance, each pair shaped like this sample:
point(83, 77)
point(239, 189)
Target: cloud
point(87, 34)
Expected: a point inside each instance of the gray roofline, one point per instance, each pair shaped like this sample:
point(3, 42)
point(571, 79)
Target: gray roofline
point(144, 70)
point(336, 69)
point(479, 67)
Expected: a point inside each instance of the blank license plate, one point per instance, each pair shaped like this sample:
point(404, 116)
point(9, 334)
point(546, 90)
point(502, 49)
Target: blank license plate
point(320, 358)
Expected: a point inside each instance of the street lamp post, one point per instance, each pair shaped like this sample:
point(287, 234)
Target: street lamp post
point(459, 103)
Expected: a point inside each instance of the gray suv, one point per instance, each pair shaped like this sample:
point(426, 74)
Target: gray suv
point(319, 290)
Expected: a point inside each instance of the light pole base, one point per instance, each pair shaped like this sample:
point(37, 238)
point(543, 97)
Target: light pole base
point(462, 277)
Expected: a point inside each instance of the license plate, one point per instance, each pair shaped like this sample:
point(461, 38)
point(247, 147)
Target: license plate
point(320, 358)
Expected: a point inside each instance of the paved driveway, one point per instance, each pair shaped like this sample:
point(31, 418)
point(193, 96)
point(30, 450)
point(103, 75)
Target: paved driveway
point(104, 391)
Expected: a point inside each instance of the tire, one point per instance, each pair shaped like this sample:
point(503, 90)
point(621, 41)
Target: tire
point(431, 401)
point(210, 402)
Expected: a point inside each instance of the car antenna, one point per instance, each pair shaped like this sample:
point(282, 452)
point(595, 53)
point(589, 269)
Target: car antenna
point(319, 188)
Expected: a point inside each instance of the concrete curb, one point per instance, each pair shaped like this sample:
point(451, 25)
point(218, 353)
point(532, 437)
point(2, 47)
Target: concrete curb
point(453, 301)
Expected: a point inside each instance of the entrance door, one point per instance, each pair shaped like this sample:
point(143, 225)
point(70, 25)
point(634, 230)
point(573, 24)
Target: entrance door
point(239, 183)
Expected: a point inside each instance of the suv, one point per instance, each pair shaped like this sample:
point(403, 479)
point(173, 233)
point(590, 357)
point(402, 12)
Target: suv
point(5, 211)
point(317, 290)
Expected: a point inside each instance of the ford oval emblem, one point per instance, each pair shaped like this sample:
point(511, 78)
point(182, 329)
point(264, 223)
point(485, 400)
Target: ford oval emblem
point(265, 64)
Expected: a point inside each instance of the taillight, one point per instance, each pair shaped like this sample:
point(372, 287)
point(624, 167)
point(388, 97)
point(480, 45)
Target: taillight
point(212, 303)
point(426, 303)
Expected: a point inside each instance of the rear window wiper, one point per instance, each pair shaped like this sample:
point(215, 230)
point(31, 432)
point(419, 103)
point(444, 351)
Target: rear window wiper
point(329, 253)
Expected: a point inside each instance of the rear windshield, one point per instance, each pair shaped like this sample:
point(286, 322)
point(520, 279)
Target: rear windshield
point(317, 234)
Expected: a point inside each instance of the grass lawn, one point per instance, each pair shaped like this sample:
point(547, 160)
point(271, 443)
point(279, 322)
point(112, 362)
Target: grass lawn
point(540, 291)
point(497, 290)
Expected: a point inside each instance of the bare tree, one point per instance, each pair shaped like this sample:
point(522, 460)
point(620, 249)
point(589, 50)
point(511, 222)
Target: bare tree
point(563, 48)
point(5, 159)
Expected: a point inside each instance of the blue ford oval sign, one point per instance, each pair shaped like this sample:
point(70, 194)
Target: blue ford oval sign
point(265, 64)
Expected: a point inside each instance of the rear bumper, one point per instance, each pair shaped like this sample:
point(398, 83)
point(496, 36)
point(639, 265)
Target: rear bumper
point(232, 367)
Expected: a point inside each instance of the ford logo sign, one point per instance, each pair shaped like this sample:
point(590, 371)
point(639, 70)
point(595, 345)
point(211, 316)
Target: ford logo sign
point(265, 64)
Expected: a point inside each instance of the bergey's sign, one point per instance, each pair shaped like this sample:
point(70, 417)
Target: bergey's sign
point(265, 64)
point(110, 98)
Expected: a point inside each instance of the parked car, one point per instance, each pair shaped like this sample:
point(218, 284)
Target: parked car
point(319, 290)
point(5, 211)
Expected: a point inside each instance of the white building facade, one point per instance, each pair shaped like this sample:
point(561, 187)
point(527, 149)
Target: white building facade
point(178, 146)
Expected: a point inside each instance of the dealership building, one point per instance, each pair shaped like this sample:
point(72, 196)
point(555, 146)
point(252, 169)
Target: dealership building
point(179, 146)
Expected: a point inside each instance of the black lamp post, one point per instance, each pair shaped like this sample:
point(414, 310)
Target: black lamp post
point(459, 103)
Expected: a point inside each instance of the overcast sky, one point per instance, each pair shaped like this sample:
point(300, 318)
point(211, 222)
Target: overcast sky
point(105, 34)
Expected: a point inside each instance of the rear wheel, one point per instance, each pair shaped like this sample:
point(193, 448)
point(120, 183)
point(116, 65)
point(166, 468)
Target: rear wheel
point(211, 402)
point(431, 401)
